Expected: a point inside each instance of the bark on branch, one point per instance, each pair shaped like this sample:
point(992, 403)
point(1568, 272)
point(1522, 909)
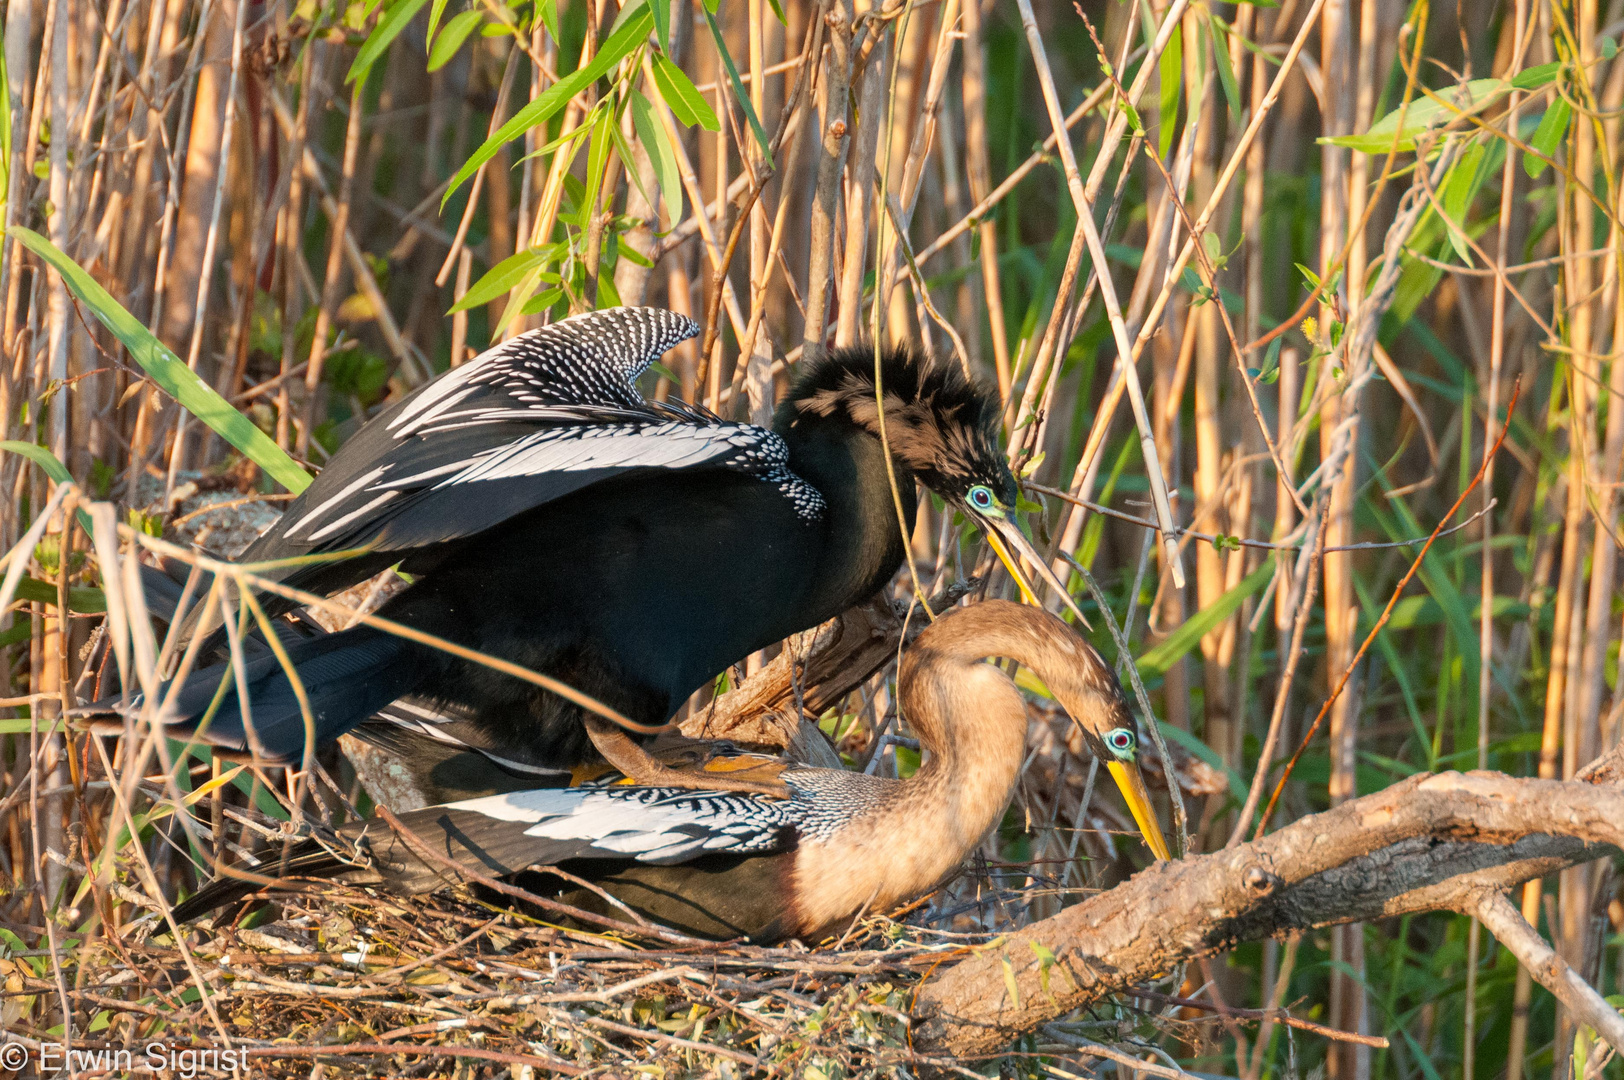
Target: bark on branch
point(1429, 843)
point(1507, 924)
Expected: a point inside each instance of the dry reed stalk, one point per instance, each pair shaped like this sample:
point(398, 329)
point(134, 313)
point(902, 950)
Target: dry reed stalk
point(1085, 221)
point(860, 184)
point(835, 144)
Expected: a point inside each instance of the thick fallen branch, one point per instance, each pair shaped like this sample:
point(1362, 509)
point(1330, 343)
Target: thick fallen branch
point(1426, 844)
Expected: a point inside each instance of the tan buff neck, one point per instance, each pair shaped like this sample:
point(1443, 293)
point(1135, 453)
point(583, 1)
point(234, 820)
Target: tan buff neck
point(971, 722)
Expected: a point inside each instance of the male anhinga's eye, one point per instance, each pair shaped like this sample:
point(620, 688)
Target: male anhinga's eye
point(981, 497)
point(1121, 742)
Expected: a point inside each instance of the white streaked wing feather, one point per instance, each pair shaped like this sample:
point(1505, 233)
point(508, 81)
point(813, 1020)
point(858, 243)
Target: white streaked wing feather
point(334, 501)
point(590, 358)
point(339, 522)
point(664, 446)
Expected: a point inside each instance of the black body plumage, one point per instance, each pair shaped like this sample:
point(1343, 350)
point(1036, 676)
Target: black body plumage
point(631, 549)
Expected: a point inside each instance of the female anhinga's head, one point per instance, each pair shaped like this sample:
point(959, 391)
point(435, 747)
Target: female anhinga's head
point(942, 426)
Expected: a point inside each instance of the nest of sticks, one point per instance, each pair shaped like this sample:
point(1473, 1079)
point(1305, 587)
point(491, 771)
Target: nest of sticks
point(346, 982)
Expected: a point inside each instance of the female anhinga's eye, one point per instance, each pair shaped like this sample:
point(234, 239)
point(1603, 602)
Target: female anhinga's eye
point(1121, 742)
point(981, 498)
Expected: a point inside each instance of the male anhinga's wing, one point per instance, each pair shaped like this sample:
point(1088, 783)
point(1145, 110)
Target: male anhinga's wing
point(530, 421)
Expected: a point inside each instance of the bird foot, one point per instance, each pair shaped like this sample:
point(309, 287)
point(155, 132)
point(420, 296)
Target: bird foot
point(640, 767)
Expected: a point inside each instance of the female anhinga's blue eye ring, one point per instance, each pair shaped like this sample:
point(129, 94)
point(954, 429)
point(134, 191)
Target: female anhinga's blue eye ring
point(981, 498)
point(1121, 742)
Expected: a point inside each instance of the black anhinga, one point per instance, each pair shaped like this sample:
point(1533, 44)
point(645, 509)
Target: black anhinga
point(554, 518)
point(726, 864)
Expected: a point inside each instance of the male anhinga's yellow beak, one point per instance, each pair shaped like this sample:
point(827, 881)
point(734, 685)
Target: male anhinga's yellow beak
point(1117, 747)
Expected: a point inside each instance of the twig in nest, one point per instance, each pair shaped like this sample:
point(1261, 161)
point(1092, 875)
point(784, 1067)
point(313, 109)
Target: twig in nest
point(1279, 1016)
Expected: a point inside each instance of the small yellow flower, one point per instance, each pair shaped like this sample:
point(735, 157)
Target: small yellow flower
point(1311, 328)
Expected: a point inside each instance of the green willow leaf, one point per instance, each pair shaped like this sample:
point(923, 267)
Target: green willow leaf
point(629, 155)
point(1429, 112)
point(1226, 73)
point(1199, 749)
point(166, 369)
point(1458, 188)
point(548, 10)
point(662, 22)
point(619, 45)
point(501, 278)
point(1170, 73)
point(1165, 655)
point(450, 41)
point(651, 133)
point(396, 19)
point(1536, 78)
point(597, 155)
point(738, 88)
point(684, 100)
point(1552, 130)
point(47, 461)
point(83, 599)
point(435, 13)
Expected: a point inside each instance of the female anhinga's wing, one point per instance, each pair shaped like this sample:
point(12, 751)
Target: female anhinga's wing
point(500, 835)
point(530, 421)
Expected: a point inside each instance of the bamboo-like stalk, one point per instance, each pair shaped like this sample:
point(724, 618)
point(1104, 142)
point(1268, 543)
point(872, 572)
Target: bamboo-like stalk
point(835, 144)
point(1572, 924)
point(1486, 652)
point(757, 353)
point(1207, 479)
point(1347, 998)
point(178, 457)
point(339, 226)
point(978, 170)
point(1085, 221)
point(860, 184)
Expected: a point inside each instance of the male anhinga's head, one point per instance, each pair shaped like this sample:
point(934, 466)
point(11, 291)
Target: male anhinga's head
point(942, 426)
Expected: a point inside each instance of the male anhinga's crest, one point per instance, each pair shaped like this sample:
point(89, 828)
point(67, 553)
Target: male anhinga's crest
point(726, 864)
point(631, 549)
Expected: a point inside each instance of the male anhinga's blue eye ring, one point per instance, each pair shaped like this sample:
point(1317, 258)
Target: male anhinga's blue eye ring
point(981, 497)
point(1121, 742)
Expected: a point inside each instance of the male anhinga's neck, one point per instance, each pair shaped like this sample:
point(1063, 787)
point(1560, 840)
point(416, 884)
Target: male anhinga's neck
point(971, 722)
point(863, 540)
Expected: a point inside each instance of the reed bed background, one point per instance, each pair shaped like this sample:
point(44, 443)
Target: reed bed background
point(1341, 238)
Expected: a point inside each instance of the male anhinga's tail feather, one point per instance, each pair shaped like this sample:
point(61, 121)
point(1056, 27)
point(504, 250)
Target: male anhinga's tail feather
point(308, 859)
point(345, 677)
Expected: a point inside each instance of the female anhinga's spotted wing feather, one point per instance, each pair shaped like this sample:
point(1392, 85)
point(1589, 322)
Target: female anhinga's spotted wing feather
point(501, 835)
point(658, 826)
point(532, 420)
point(602, 823)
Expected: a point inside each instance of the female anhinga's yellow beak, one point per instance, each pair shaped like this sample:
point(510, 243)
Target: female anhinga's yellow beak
point(1116, 747)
